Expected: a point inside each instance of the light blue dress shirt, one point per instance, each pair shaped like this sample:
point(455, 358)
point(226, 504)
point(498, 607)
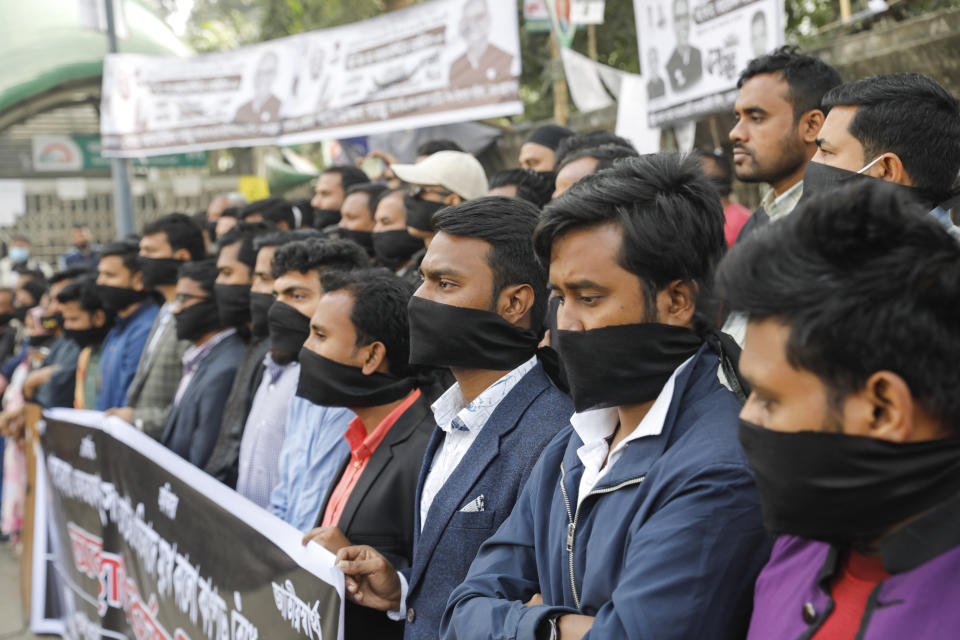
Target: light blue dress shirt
point(313, 451)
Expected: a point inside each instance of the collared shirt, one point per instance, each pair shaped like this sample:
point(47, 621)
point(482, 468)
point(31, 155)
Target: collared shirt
point(310, 458)
point(121, 355)
point(362, 446)
point(164, 316)
point(264, 431)
point(194, 356)
point(779, 206)
point(461, 424)
point(596, 426)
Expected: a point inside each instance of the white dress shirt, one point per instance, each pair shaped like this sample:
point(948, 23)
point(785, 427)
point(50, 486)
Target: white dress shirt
point(596, 425)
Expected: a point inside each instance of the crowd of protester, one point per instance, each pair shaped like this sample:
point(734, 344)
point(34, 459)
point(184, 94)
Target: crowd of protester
point(589, 396)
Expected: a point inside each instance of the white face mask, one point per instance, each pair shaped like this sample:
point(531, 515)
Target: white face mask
point(872, 162)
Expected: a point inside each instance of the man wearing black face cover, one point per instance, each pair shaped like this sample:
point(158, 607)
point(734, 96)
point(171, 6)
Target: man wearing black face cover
point(356, 357)
point(393, 245)
point(167, 244)
point(223, 463)
point(329, 192)
point(356, 214)
point(479, 312)
point(290, 464)
point(648, 487)
point(852, 425)
point(209, 365)
point(902, 128)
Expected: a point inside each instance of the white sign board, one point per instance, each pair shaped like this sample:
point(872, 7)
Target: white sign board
point(433, 63)
point(587, 11)
point(692, 51)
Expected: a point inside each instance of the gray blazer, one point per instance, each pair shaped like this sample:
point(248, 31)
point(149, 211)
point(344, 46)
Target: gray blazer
point(156, 380)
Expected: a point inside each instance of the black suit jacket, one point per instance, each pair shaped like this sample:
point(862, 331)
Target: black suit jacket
point(194, 423)
point(380, 509)
point(683, 75)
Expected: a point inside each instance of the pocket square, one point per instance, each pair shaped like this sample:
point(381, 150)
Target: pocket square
point(474, 506)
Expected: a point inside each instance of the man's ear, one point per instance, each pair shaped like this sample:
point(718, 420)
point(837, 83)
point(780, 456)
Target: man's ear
point(514, 304)
point(676, 303)
point(810, 124)
point(181, 254)
point(890, 168)
point(883, 409)
point(375, 359)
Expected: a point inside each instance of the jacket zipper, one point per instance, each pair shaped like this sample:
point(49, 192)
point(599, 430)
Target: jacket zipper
point(572, 520)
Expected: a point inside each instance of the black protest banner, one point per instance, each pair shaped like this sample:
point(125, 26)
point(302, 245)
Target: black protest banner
point(150, 547)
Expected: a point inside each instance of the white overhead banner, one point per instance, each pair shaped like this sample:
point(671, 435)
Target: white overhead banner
point(434, 63)
point(692, 51)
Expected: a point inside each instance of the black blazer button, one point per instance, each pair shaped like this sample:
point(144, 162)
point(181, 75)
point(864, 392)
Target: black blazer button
point(411, 615)
point(809, 613)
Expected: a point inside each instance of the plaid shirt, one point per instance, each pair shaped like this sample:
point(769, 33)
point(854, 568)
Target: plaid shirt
point(778, 206)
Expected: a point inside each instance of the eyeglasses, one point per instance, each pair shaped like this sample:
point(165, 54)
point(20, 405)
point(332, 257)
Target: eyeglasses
point(415, 190)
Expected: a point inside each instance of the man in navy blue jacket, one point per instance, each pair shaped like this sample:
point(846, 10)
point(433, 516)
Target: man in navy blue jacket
point(641, 519)
point(479, 311)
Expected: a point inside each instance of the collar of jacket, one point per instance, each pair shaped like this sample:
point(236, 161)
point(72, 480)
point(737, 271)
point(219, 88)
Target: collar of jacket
point(925, 538)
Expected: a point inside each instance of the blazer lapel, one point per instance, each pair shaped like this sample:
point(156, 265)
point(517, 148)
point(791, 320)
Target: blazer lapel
point(398, 434)
point(481, 453)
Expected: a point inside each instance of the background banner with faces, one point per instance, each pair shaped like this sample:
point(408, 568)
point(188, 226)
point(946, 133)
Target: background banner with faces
point(692, 52)
point(434, 63)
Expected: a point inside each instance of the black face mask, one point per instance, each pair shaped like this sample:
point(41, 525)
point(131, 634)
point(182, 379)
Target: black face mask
point(332, 384)
point(442, 335)
point(197, 320)
point(623, 364)
point(420, 212)
point(289, 328)
point(52, 322)
point(362, 238)
point(260, 304)
point(548, 356)
point(212, 231)
point(119, 298)
point(233, 304)
point(323, 218)
point(5, 318)
point(88, 337)
point(159, 271)
point(845, 489)
point(38, 342)
point(395, 247)
point(20, 312)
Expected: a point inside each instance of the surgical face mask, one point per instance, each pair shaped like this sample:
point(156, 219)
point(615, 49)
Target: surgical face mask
point(119, 298)
point(820, 178)
point(88, 337)
point(323, 218)
point(19, 254)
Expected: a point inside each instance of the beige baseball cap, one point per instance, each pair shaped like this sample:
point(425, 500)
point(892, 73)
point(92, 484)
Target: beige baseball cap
point(457, 171)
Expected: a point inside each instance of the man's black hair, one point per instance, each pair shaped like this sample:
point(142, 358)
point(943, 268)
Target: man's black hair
point(83, 291)
point(532, 186)
point(21, 238)
point(379, 311)
point(182, 232)
point(279, 238)
point(374, 190)
point(70, 273)
point(910, 115)
point(572, 144)
point(808, 77)
point(605, 154)
point(231, 212)
point(287, 212)
point(36, 287)
point(866, 281)
point(507, 225)
point(723, 183)
point(258, 207)
point(246, 233)
point(431, 147)
point(349, 176)
point(318, 253)
point(203, 272)
point(669, 215)
point(127, 250)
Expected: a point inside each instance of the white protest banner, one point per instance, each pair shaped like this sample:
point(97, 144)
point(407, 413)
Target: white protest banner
point(433, 63)
point(692, 51)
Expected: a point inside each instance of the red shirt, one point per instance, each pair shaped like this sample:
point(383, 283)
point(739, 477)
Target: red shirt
point(736, 216)
point(362, 447)
point(851, 589)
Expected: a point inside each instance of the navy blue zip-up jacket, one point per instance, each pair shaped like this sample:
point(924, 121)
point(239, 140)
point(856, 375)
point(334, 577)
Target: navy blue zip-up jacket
point(666, 546)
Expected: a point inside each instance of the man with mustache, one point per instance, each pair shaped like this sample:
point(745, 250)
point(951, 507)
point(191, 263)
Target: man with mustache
point(778, 117)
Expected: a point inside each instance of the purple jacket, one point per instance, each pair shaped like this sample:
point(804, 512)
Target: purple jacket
point(919, 600)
